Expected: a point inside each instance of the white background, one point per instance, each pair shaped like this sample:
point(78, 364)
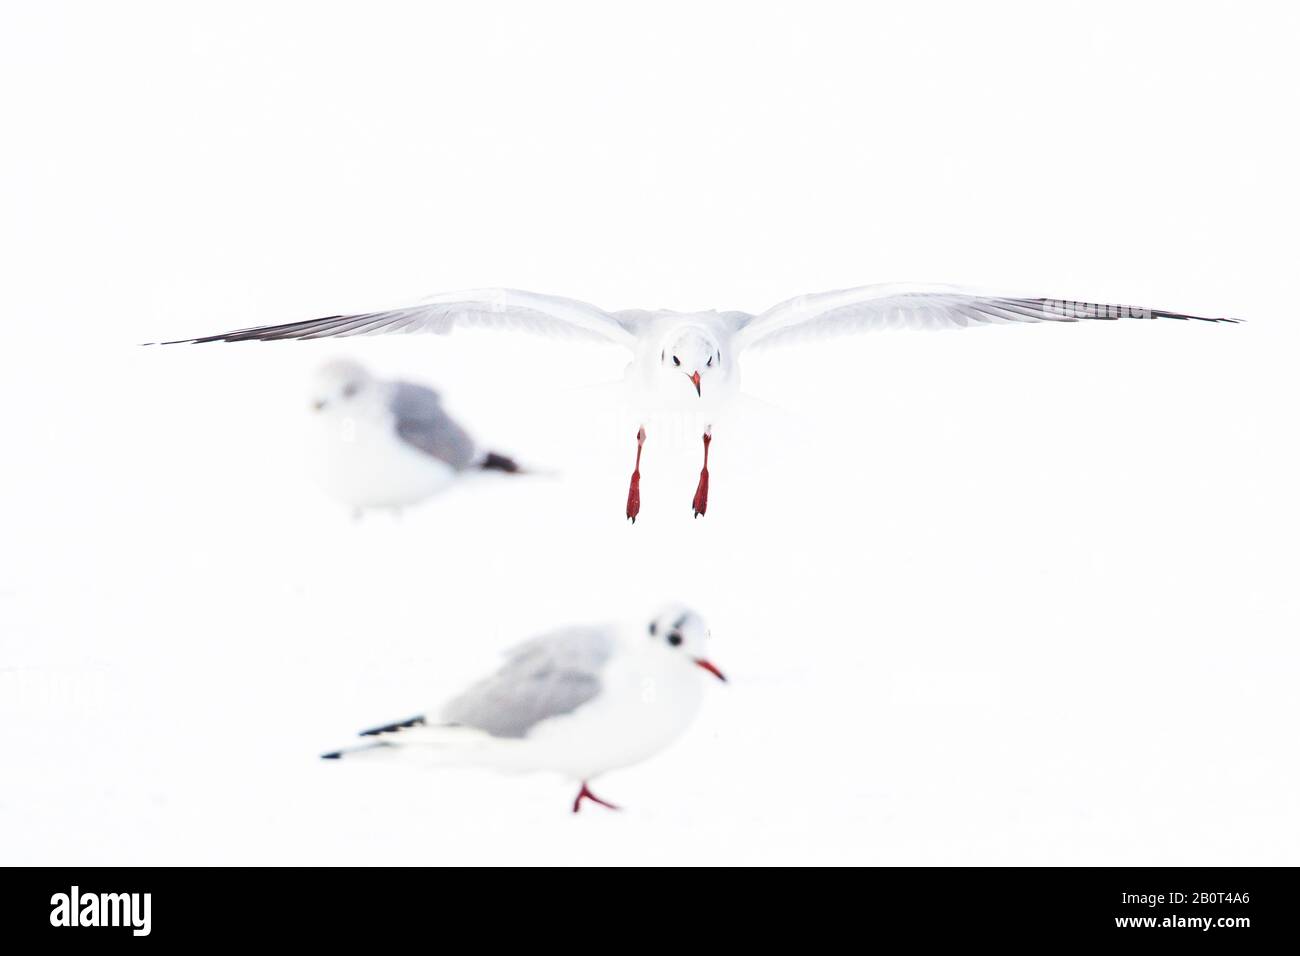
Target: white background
point(1013, 595)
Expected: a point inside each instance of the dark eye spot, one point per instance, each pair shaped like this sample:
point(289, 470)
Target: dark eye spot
point(676, 360)
point(350, 389)
point(654, 627)
point(709, 363)
point(675, 639)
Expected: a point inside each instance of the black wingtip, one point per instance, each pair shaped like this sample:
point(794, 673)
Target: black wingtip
point(394, 727)
point(336, 755)
point(1184, 317)
point(178, 342)
point(494, 462)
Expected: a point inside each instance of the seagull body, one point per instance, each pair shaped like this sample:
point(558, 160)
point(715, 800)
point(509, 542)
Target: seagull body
point(388, 444)
point(580, 702)
point(687, 361)
point(656, 385)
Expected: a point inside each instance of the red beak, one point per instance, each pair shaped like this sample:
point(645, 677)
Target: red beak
point(708, 666)
point(695, 379)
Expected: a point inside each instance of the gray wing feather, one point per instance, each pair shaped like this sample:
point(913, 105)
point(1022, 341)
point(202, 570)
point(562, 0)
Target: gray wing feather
point(548, 676)
point(871, 308)
point(422, 422)
point(439, 314)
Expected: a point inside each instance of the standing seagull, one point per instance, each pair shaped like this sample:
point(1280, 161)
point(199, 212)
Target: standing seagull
point(687, 360)
point(580, 701)
point(388, 444)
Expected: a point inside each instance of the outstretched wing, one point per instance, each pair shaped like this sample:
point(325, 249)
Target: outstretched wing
point(875, 307)
point(546, 677)
point(487, 308)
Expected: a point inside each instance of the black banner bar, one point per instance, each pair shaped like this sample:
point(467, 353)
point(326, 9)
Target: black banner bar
point(368, 906)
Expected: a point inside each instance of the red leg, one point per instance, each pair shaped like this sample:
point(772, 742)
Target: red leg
point(701, 502)
point(634, 489)
point(585, 793)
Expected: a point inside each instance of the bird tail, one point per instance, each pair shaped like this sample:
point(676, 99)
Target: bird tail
point(359, 750)
point(413, 738)
point(494, 462)
point(420, 751)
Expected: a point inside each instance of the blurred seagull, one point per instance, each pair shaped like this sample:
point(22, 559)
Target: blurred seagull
point(580, 701)
point(388, 444)
point(688, 359)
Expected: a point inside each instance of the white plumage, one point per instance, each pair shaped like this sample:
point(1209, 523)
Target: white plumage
point(580, 702)
point(387, 444)
point(686, 362)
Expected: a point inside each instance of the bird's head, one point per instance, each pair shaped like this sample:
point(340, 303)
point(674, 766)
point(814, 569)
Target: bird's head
point(693, 352)
point(683, 632)
point(338, 385)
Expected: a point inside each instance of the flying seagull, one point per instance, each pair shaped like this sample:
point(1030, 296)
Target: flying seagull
point(688, 359)
point(389, 444)
point(580, 702)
